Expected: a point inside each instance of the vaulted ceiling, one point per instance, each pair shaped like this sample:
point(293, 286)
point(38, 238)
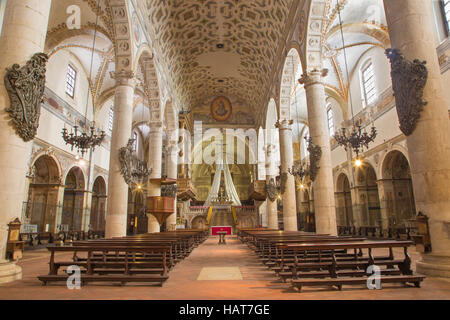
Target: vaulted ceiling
point(187, 37)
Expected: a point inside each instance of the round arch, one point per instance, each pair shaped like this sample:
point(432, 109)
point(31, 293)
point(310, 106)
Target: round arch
point(386, 154)
point(50, 160)
point(397, 189)
point(291, 64)
point(367, 196)
point(344, 204)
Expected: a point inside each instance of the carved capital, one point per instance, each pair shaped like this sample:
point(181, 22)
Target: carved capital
point(284, 124)
point(313, 77)
point(124, 78)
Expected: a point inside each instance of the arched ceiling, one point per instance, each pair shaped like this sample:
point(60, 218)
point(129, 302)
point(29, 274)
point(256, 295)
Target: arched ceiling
point(185, 35)
point(363, 26)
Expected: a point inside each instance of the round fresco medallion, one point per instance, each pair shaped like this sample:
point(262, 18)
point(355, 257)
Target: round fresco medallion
point(221, 109)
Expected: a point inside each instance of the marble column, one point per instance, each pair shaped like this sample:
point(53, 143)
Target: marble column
point(117, 208)
point(24, 32)
point(172, 173)
point(412, 31)
point(271, 206)
point(324, 201)
point(287, 161)
point(155, 163)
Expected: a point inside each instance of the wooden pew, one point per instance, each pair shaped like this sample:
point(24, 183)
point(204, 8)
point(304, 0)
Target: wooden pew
point(139, 258)
point(130, 269)
point(349, 272)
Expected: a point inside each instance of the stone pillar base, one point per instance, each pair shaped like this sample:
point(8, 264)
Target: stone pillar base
point(434, 265)
point(9, 271)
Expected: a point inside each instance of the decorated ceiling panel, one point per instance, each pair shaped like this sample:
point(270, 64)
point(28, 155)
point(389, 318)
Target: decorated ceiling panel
point(186, 35)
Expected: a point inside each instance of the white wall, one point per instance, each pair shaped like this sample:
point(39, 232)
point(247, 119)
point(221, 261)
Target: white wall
point(56, 81)
point(50, 125)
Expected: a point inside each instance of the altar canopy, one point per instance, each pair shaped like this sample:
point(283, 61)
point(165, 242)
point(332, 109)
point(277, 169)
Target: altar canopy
point(230, 190)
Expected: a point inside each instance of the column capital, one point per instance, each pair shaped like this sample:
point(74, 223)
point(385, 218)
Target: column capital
point(312, 77)
point(124, 78)
point(284, 124)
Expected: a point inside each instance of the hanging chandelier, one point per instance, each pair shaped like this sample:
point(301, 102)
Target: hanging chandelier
point(299, 171)
point(303, 171)
point(85, 141)
point(356, 138)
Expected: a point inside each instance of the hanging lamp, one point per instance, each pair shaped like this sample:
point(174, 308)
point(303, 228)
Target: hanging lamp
point(356, 138)
point(77, 138)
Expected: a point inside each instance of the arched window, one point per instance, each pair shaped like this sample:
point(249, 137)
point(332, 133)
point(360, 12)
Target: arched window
point(305, 143)
point(135, 142)
point(368, 83)
point(110, 119)
point(445, 4)
point(71, 77)
point(2, 14)
point(330, 118)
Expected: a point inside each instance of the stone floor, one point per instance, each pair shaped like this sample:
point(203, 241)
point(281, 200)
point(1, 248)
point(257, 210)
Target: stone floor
point(243, 277)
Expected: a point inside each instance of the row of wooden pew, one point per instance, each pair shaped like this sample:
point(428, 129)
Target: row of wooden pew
point(146, 258)
point(309, 259)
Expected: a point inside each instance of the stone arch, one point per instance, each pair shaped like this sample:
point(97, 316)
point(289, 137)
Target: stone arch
point(344, 204)
point(73, 202)
point(78, 175)
point(393, 162)
point(143, 51)
point(50, 157)
point(75, 167)
point(170, 118)
point(397, 189)
point(291, 65)
point(271, 117)
point(53, 40)
point(42, 202)
point(98, 205)
point(367, 196)
point(294, 45)
point(395, 147)
point(337, 175)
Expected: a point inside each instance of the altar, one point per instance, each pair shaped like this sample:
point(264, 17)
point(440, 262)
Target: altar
point(222, 200)
point(227, 229)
